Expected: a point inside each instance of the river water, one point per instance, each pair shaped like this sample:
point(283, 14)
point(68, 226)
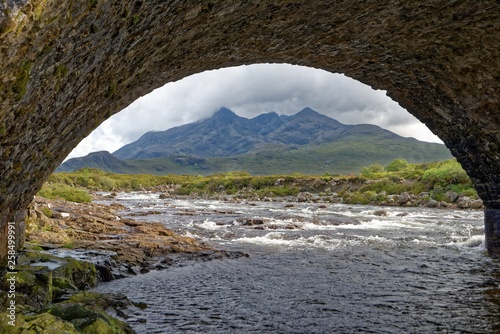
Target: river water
point(318, 269)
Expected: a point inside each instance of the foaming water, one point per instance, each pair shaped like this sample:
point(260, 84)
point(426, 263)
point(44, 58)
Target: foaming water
point(316, 269)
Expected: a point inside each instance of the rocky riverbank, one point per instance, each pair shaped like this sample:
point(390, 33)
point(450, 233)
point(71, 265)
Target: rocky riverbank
point(70, 248)
point(451, 200)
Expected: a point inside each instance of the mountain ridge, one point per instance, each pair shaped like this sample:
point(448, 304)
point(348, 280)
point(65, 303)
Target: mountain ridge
point(299, 142)
point(226, 134)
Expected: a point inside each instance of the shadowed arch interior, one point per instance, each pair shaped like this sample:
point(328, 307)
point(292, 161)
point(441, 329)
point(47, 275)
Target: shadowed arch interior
point(68, 66)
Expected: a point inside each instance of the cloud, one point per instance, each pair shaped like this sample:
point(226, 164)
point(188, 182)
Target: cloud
point(249, 91)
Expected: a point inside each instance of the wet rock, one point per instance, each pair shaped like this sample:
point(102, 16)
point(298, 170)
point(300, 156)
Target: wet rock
point(292, 227)
point(464, 202)
point(380, 213)
point(403, 199)
point(104, 273)
point(444, 204)
point(250, 221)
point(477, 204)
point(304, 197)
point(432, 203)
point(86, 312)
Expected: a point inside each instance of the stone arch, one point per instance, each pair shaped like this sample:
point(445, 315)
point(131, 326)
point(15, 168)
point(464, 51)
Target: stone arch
point(67, 66)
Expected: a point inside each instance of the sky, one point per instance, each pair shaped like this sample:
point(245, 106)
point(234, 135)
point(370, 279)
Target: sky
point(249, 91)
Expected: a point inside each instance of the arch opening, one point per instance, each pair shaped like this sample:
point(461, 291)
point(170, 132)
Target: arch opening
point(249, 91)
point(67, 68)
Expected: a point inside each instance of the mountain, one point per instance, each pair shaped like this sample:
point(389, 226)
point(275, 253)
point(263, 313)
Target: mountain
point(102, 160)
point(227, 134)
point(307, 142)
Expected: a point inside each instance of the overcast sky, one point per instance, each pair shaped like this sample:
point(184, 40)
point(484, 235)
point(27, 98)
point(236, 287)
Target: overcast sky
point(250, 91)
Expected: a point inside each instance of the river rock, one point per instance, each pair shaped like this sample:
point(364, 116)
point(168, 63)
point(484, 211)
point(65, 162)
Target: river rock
point(304, 197)
point(451, 196)
point(380, 213)
point(477, 204)
point(464, 202)
point(432, 203)
point(251, 221)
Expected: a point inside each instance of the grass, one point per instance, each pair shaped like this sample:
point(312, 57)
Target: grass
point(66, 192)
point(373, 185)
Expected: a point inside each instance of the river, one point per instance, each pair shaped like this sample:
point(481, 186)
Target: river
point(317, 268)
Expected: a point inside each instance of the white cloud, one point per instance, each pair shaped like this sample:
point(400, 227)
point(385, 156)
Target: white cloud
point(249, 91)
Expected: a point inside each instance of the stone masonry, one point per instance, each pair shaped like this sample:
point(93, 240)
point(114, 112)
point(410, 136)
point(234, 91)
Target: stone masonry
point(66, 66)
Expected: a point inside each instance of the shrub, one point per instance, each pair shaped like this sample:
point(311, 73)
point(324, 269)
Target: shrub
point(449, 172)
point(371, 170)
point(397, 165)
point(370, 196)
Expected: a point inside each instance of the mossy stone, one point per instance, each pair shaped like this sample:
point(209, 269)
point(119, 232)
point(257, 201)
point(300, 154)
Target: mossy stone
point(98, 326)
point(82, 274)
point(43, 323)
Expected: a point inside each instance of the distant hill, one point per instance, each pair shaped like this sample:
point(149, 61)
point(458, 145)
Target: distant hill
point(102, 160)
point(307, 142)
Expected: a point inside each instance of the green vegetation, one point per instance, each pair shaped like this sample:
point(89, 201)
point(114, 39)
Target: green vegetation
point(91, 4)
point(372, 170)
point(428, 181)
point(66, 192)
point(21, 84)
point(436, 179)
point(55, 301)
point(47, 212)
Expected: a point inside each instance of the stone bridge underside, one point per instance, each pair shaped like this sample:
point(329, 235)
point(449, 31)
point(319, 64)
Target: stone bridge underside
point(66, 66)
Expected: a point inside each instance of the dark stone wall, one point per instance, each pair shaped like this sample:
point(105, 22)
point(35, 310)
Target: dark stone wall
point(66, 66)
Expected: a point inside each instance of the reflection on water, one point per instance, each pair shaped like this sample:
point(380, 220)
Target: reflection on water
point(314, 269)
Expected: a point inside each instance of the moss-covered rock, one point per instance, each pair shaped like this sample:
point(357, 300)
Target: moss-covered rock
point(82, 275)
point(46, 302)
point(43, 323)
point(86, 311)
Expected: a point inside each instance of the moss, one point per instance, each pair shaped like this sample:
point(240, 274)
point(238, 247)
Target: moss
point(135, 19)
point(82, 274)
point(7, 24)
point(72, 312)
point(99, 321)
point(60, 71)
point(39, 323)
point(111, 90)
point(98, 326)
point(47, 212)
point(20, 85)
point(91, 4)
point(36, 310)
point(35, 282)
point(63, 283)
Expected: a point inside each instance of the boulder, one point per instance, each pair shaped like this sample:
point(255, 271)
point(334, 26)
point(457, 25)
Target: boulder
point(380, 213)
point(464, 202)
point(304, 197)
point(477, 204)
point(432, 203)
point(451, 196)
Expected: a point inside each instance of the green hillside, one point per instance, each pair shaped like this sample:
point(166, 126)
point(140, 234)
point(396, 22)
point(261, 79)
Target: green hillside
point(307, 142)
